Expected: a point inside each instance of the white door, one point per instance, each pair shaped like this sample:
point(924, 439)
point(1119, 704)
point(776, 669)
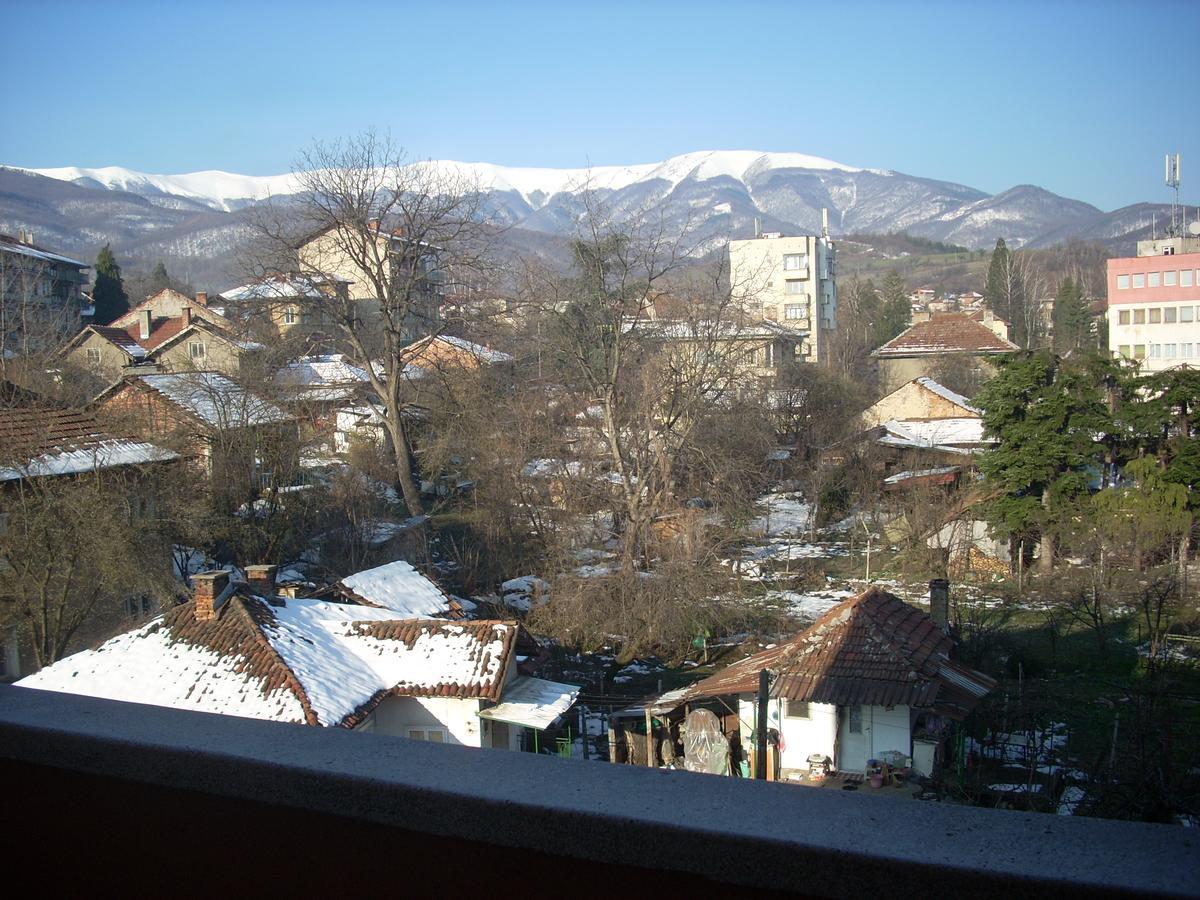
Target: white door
point(854, 738)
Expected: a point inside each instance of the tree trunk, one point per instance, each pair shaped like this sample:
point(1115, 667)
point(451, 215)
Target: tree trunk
point(1046, 561)
point(409, 489)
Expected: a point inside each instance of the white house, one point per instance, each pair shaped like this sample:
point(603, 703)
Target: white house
point(861, 681)
point(238, 649)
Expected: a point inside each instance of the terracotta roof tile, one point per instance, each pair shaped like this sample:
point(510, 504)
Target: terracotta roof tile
point(873, 649)
point(946, 333)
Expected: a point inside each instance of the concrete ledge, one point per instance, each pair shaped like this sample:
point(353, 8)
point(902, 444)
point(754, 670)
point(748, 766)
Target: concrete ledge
point(620, 819)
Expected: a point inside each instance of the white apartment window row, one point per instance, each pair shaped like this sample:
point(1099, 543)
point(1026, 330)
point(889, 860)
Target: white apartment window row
point(1174, 278)
point(1158, 351)
point(1158, 315)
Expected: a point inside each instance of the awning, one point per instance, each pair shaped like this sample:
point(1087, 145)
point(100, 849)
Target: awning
point(532, 702)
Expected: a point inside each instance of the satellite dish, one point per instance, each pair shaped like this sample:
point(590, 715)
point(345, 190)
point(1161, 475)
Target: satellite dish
point(1194, 229)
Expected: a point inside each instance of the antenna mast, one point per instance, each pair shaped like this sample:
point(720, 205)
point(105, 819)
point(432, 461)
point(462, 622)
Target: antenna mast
point(1172, 178)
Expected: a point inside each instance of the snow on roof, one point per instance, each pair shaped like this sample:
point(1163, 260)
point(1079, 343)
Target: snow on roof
point(214, 399)
point(281, 287)
point(532, 702)
point(400, 588)
point(330, 369)
point(120, 338)
point(148, 666)
point(41, 441)
point(297, 660)
point(946, 394)
point(485, 354)
point(10, 244)
point(920, 473)
point(937, 432)
point(434, 658)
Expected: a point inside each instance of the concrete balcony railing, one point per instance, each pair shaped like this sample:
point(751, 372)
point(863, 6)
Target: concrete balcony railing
point(143, 800)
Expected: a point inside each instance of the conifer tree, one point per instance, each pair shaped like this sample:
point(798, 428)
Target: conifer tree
point(1072, 322)
point(108, 293)
point(996, 292)
point(895, 312)
point(1049, 418)
point(159, 279)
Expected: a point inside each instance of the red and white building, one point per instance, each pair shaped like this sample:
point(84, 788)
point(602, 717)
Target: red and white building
point(1154, 304)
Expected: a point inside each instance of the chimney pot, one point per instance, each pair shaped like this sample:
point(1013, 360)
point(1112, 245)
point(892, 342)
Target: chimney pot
point(939, 603)
point(262, 579)
point(202, 298)
point(208, 587)
point(144, 322)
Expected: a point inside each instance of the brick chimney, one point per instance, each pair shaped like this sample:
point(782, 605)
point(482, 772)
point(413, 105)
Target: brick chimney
point(202, 298)
point(262, 579)
point(208, 587)
point(939, 603)
point(144, 321)
point(187, 316)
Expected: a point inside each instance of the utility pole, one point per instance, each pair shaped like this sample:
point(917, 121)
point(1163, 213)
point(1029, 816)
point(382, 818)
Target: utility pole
point(760, 731)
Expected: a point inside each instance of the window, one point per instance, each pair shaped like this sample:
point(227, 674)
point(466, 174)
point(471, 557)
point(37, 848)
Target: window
point(1169, 279)
point(856, 720)
point(434, 735)
point(1168, 251)
point(1152, 279)
point(1168, 351)
point(1123, 351)
point(1123, 317)
point(1139, 280)
point(1139, 317)
point(290, 316)
point(1155, 351)
point(1185, 278)
point(1169, 315)
point(792, 286)
point(795, 262)
point(1122, 282)
point(795, 311)
point(93, 356)
point(1139, 351)
point(196, 349)
point(136, 607)
point(1185, 350)
point(797, 710)
point(1185, 314)
point(1156, 316)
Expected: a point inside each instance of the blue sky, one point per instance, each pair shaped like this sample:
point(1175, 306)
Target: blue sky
point(1082, 98)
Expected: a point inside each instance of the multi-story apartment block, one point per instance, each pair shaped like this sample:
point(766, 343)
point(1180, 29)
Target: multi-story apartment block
point(791, 281)
point(40, 293)
point(1154, 304)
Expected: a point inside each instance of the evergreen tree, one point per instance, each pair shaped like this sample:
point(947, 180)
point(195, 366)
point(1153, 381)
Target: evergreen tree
point(159, 279)
point(895, 312)
point(1048, 416)
point(1072, 320)
point(108, 293)
point(996, 291)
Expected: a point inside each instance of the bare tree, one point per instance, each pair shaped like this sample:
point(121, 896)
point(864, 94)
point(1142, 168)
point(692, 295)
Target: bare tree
point(385, 240)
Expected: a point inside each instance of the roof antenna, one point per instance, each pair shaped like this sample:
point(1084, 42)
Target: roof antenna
point(1172, 169)
point(757, 228)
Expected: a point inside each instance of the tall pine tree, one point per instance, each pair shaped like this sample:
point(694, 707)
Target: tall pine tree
point(108, 293)
point(1072, 321)
point(895, 313)
point(996, 292)
point(159, 278)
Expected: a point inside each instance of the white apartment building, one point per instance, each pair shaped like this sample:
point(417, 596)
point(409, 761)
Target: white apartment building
point(1154, 304)
point(791, 281)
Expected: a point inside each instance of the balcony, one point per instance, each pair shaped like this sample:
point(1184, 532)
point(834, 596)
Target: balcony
point(150, 800)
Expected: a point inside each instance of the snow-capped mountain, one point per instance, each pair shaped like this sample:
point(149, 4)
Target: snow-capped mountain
point(199, 219)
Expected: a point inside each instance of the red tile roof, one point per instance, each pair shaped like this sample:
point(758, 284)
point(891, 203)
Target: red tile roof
point(873, 649)
point(946, 333)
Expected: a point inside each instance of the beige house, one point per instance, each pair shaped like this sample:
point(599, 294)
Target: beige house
point(790, 281)
point(289, 305)
point(923, 347)
point(168, 332)
point(921, 398)
point(357, 260)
